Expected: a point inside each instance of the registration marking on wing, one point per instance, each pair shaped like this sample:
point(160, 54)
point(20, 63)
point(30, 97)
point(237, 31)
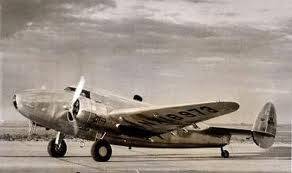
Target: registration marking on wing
point(175, 118)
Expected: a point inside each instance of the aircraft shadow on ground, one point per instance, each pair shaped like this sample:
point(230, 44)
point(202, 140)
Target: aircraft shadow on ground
point(278, 153)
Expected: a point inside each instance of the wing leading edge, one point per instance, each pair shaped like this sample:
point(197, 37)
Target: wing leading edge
point(158, 120)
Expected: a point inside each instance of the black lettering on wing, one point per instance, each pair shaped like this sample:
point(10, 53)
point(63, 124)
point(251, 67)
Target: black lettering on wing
point(169, 121)
point(174, 117)
point(143, 119)
point(160, 120)
point(187, 114)
point(208, 109)
point(196, 110)
point(155, 120)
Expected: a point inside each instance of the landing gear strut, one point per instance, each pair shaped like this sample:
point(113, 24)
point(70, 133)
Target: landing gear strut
point(57, 146)
point(101, 150)
point(224, 153)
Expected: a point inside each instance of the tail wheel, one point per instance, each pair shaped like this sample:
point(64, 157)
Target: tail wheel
point(56, 150)
point(224, 154)
point(101, 151)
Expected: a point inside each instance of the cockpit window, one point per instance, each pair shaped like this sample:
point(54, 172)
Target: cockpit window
point(84, 93)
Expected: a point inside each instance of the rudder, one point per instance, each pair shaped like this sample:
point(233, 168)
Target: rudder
point(264, 127)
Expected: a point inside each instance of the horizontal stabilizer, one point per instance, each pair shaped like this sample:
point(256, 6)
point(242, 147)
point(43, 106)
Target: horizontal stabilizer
point(234, 131)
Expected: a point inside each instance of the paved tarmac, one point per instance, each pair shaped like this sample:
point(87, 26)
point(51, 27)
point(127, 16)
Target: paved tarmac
point(32, 157)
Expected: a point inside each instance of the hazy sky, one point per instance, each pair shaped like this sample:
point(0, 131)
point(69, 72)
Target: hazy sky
point(168, 51)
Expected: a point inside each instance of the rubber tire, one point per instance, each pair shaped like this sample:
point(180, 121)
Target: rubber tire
point(95, 148)
point(225, 154)
point(55, 151)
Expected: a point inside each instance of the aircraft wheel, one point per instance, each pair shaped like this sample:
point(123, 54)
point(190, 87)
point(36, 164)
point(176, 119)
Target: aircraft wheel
point(224, 154)
point(101, 151)
point(55, 150)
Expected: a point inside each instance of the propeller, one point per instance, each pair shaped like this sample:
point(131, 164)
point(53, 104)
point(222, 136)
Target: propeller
point(75, 104)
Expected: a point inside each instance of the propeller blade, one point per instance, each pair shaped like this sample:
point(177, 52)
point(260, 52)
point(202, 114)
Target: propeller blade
point(75, 126)
point(75, 103)
point(78, 90)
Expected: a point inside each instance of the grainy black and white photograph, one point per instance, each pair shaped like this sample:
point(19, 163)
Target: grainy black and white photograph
point(142, 86)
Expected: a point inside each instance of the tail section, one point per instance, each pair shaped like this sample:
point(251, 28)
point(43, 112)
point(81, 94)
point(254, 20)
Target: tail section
point(264, 127)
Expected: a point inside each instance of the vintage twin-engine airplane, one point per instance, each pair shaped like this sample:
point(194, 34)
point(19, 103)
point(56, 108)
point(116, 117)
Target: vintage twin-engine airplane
point(108, 119)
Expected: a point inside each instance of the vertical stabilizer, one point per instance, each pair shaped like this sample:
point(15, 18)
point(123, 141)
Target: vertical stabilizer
point(264, 127)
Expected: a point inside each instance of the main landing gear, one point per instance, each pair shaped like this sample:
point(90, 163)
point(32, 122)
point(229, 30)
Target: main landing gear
point(57, 146)
point(224, 153)
point(101, 150)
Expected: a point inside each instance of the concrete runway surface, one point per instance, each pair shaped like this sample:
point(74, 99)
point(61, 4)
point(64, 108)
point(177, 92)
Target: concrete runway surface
point(31, 156)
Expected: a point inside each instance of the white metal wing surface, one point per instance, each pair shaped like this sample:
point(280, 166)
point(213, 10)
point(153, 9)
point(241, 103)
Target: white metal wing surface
point(158, 120)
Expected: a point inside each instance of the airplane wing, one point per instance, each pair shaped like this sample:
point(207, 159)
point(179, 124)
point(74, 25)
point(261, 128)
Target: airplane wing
point(151, 121)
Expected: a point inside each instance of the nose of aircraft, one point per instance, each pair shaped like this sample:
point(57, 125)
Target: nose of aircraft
point(17, 101)
point(34, 105)
point(29, 102)
point(23, 106)
point(48, 108)
point(40, 104)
